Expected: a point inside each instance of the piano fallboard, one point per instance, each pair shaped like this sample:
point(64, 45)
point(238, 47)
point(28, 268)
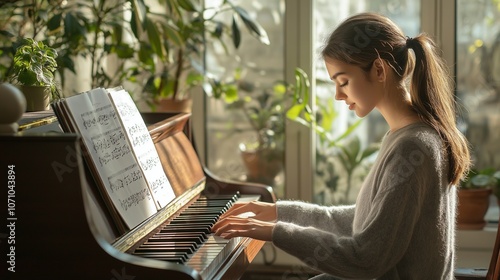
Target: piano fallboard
point(64, 230)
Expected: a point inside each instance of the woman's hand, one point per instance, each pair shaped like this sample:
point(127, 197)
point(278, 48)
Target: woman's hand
point(263, 211)
point(235, 226)
point(250, 219)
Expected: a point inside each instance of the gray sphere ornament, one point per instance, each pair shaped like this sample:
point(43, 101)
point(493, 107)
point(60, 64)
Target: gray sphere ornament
point(12, 107)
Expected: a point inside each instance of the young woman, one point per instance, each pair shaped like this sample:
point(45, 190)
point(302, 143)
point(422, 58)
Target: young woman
point(402, 225)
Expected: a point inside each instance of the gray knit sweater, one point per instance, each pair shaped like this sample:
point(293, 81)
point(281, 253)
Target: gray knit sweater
point(401, 227)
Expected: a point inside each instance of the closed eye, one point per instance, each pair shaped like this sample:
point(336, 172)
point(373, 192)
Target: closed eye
point(344, 84)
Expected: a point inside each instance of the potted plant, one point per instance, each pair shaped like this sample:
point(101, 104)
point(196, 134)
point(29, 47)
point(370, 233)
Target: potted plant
point(473, 198)
point(53, 22)
point(263, 156)
point(172, 63)
point(263, 110)
point(33, 70)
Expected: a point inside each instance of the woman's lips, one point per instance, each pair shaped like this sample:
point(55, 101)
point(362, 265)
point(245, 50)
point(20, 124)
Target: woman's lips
point(351, 106)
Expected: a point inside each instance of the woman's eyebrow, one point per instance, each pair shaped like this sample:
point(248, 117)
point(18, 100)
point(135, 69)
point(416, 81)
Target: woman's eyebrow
point(334, 76)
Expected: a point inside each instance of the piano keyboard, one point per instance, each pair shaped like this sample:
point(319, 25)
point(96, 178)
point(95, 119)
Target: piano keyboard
point(188, 240)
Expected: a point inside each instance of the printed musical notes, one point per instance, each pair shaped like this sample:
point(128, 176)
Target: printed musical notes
point(143, 147)
point(121, 153)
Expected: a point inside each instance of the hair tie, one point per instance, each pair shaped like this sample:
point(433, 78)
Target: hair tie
point(409, 42)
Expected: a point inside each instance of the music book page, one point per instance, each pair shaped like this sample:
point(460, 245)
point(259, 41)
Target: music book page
point(106, 140)
point(143, 147)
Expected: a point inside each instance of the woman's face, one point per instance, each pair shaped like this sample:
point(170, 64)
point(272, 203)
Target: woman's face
point(357, 88)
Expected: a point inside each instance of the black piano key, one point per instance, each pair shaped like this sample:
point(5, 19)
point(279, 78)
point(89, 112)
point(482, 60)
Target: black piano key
point(165, 256)
point(165, 248)
point(198, 218)
point(190, 245)
point(175, 234)
point(220, 197)
point(167, 233)
point(198, 206)
point(192, 222)
point(187, 228)
point(194, 239)
point(210, 203)
point(202, 232)
point(203, 211)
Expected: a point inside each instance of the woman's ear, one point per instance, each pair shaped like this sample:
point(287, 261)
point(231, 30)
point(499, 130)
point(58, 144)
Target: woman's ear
point(380, 69)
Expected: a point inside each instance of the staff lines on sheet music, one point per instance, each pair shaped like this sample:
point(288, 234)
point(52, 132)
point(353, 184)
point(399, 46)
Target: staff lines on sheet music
point(149, 163)
point(124, 177)
point(117, 153)
point(107, 139)
point(139, 136)
point(126, 110)
point(134, 199)
point(89, 119)
point(158, 183)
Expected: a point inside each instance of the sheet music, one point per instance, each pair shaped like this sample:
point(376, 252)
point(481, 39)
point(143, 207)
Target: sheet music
point(103, 135)
point(143, 147)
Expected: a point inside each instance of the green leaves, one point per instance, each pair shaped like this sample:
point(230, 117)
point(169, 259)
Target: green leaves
point(484, 178)
point(352, 155)
point(35, 64)
point(156, 48)
point(188, 6)
point(236, 32)
point(253, 27)
point(481, 181)
point(154, 37)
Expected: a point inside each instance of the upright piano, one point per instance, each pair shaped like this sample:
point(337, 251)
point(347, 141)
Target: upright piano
point(59, 227)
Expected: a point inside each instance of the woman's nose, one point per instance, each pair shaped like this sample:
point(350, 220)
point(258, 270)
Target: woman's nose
point(339, 95)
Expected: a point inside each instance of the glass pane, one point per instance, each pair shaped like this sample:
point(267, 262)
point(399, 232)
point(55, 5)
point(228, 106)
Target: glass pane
point(478, 77)
point(235, 130)
point(333, 184)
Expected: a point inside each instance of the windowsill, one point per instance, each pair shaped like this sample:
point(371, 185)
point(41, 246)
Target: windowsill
point(474, 247)
point(493, 214)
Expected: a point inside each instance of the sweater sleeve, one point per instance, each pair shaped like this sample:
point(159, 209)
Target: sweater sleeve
point(310, 215)
point(395, 201)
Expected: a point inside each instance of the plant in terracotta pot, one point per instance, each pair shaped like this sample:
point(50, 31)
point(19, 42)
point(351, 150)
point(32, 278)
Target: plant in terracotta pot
point(263, 152)
point(265, 110)
point(473, 198)
point(33, 70)
point(54, 22)
point(263, 155)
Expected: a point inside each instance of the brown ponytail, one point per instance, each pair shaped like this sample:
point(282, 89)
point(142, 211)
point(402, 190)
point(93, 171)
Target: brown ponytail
point(431, 95)
point(365, 37)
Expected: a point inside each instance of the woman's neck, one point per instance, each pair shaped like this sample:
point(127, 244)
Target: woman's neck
point(397, 110)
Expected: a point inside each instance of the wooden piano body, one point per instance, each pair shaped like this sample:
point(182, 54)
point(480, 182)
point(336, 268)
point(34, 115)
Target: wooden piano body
point(61, 229)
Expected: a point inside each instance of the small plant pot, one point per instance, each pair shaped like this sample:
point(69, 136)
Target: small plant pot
point(472, 207)
point(37, 98)
point(262, 165)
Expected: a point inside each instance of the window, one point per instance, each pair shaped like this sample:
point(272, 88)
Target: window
point(478, 77)
point(478, 82)
point(234, 129)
